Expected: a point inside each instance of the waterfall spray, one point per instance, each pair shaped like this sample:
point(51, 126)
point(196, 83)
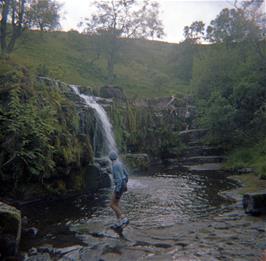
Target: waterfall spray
point(102, 119)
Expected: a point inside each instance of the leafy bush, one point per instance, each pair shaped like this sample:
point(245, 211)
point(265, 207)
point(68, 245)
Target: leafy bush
point(218, 115)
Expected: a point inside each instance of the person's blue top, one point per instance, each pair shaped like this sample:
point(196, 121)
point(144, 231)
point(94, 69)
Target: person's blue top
point(119, 172)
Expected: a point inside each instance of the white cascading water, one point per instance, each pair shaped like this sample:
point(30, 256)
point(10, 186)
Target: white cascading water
point(101, 117)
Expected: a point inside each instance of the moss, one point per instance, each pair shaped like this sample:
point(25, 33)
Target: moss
point(78, 182)
point(144, 130)
point(251, 183)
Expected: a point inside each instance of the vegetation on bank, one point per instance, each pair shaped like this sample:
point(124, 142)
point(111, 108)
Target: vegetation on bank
point(41, 140)
point(145, 129)
point(249, 156)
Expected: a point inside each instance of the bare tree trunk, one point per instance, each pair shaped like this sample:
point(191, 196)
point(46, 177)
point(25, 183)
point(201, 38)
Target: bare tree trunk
point(16, 25)
point(16, 11)
point(3, 26)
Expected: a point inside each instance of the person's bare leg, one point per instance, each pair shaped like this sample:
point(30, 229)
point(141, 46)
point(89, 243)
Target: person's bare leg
point(115, 206)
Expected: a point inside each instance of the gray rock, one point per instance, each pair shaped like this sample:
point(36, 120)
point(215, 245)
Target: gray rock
point(254, 203)
point(71, 256)
point(245, 170)
point(86, 90)
point(202, 150)
point(205, 168)
point(33, 251)
point(102, 162)
point(202, 159)
point(39, 257)
point(110, 91)
point(46, 249)
point(96, 178)
point(67, 250)
point(30, 232)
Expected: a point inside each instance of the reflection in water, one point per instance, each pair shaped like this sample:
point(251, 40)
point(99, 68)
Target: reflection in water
point(163, 201)
point(152, 201)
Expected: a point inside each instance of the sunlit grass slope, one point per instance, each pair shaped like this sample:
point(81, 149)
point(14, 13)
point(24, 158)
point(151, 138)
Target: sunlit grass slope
point(144, 68)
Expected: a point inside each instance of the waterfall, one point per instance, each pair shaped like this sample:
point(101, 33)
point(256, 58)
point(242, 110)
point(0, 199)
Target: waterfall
point(102, 121)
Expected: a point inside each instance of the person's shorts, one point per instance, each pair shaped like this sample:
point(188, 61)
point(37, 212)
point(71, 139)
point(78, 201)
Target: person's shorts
point(120, 189)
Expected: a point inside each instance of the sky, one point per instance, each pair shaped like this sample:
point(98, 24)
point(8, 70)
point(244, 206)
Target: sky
point(175, 14)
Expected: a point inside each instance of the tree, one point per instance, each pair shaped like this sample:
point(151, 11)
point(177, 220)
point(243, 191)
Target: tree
point(255, 11)
point(194, 32)
point(118, 19)
point(187, 50)
point(12, 21)
point(44, 14)
point(184, 57)
point(232, 25)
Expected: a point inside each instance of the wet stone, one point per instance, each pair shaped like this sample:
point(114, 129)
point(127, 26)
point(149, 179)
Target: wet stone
point(33, 251)
point(221, 226)
point(86, 254)
point(30, 232)
point(72, 256)
point(46, 249)
point(261, 229)
point(39, 257)
point(66, 250)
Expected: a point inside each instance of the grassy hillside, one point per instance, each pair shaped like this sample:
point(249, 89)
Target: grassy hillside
point(144, 68)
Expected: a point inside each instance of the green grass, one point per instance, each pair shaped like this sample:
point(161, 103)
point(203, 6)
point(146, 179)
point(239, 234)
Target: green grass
point(144, 68)
point(250, 156)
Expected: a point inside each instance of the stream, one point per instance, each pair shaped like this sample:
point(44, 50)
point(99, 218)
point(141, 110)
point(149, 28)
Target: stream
point(173, 216)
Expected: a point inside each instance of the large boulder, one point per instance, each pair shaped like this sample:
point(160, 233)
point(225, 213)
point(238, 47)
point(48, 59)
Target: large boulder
point(97, 178)
point(255, 203)
point(10, 230)
point(110, 91)
point(136, 161)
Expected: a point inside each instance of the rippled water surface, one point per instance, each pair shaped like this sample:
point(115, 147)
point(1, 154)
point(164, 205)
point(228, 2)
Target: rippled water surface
point(173, 216)
point(151, 201)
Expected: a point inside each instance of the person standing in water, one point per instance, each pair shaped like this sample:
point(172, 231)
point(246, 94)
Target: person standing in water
point(120, 178)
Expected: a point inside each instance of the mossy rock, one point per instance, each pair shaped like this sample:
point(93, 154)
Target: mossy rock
point(136, 162)
point(110, 91)
point(10, 230)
